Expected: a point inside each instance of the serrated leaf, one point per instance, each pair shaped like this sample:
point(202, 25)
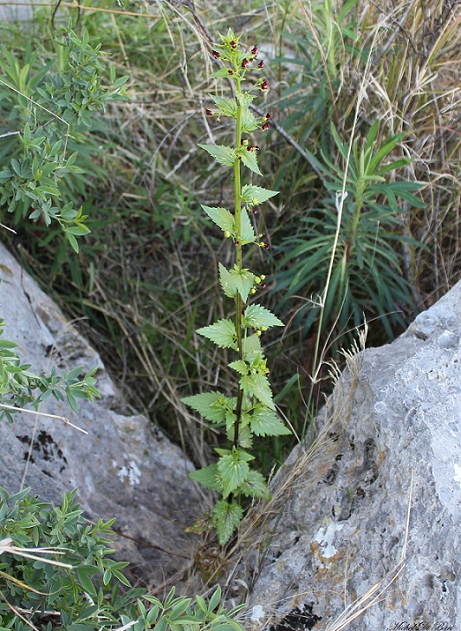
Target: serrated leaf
point(211, 405)
point(266, 423)
point(233, 471)
point(222, 217)
point(250, 160)
point(256, 316)
point(252, 194)
point(251, 347)
point(222, 333)
point(244, 281)
point(247, 233)
point(227, 282)
point(245, 437)
point(257, 385)
point(221, 153)
point(255, 486)
point(208, 477)
point(227, 107)
point(240, 366)
point(235, 280)
point(248, 120)
point(226, 518)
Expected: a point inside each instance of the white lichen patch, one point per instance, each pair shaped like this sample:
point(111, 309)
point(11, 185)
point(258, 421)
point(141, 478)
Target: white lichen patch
point(457, 474)
point(325, 538)
point(257, 613)
point(131, 473)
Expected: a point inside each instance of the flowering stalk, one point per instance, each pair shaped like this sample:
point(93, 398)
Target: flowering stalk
point(252, 411)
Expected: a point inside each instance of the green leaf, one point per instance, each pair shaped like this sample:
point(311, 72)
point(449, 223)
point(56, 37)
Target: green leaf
point(227, 282)
point(257, 385)
point(255, 486)
point(222, 333)
point(222, 217)
point(244, 280)
point(77, 230)
point(226, 518)
point(240, 366)
point(251, 347)
point(247, 233)
point(227, 107)
point(222, 154)
point(221, 73)
point(236, 280)
point(233, 471)
point(249, 121)
point(208, 477)
point(211, 405)
point(265, 422)
point(257, 316)
point(249, 159)
point(84, 574)
point(253, 195)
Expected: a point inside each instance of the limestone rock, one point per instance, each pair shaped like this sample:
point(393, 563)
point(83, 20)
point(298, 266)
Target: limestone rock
point(124, 468)
point(370, 517)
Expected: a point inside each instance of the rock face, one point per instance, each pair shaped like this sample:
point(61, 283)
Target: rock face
point(367, 523)
point(124, 468)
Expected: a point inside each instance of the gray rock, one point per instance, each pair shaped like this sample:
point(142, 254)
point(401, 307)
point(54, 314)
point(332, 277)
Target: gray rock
point(124, 467)
point(370, 517)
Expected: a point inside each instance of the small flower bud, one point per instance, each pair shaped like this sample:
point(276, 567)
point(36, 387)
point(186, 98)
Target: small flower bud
point(254, 50)
point(245, 63)
point(261, 64)
point(215, 54)
point(257, 280)
point(252, 291)
point(208, 112)
point(227, 234)
point(263, 277)
point(264, 328)
point(258, 333)
point(264, 85)
point(265, 127)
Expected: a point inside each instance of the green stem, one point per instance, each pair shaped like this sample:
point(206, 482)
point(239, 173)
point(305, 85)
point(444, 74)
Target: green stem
point(238, 256)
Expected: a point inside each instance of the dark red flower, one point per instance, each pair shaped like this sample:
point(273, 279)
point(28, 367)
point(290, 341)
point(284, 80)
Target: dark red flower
point(261, 64)
point(215, 54)
point(265, 127)
point(255, 210)
point(250, 148)
point(233, 44)
point(208, 112)
point(245, 63)
point(266, 246)
point(264, 85)
point(254, 50)
point(263, 285)
point(267, 117)
point(230, 72)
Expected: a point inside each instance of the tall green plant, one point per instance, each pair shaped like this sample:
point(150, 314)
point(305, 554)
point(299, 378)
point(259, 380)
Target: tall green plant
point(251, 412)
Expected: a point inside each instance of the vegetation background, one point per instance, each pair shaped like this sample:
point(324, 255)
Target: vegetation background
point(363, 145)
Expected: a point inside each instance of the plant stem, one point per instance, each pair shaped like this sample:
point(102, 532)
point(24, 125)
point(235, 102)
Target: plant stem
point(238, 256)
